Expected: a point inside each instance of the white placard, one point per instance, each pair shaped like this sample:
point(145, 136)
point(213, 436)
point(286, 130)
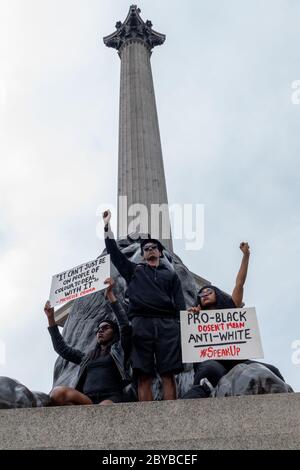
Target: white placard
point(220, 335)
point(85, 279)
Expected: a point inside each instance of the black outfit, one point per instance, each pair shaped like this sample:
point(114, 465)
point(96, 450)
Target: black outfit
point(115, 397)
point(213, 370)
point(155, 300)
point(102, 377)
point(156, 345)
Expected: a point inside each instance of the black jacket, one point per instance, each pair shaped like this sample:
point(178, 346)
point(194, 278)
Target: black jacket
point(151, 291)
point(119, 351)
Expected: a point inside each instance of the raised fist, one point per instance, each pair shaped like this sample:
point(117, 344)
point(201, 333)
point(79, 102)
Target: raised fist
point(245, 248)
point(106, 216)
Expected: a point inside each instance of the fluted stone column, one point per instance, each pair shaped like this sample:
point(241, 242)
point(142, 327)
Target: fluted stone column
point(141, 176)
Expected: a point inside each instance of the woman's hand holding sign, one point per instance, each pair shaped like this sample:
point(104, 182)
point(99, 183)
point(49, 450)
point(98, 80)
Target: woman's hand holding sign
point(194, 309)
point(109, 293)
point(49, 311)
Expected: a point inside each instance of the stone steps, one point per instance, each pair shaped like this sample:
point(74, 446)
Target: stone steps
point(248, 422)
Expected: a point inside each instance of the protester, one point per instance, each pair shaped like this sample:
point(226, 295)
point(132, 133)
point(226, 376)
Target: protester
point(155, 300)
point(208, 373)
point(103, 373)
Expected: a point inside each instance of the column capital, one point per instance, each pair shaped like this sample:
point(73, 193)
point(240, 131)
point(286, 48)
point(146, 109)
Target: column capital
point(134, 29)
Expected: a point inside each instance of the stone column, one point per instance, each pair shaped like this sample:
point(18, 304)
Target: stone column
point(141, 176)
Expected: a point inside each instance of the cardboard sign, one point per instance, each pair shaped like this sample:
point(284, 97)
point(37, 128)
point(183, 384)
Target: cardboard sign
point(85, 279)
point(220, 335)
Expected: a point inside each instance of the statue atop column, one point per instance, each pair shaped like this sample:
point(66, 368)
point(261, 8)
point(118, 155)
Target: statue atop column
point(134, 29)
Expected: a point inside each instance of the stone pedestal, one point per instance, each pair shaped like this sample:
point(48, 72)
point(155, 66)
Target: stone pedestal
point(249, 422)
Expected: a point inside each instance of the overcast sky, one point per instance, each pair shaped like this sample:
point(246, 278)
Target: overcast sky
point(230, 137)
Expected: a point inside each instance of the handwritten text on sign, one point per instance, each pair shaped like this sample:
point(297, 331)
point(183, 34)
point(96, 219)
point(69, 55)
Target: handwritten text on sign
point(220, 334)
point(85, 279)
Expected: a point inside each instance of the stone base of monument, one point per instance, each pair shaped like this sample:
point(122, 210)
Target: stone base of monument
point(248, 422)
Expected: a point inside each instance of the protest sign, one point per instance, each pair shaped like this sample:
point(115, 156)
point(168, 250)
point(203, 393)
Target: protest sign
point(75, 283)
point(220, 334)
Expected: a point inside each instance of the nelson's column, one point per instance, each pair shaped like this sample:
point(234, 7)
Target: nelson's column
point(141, 176)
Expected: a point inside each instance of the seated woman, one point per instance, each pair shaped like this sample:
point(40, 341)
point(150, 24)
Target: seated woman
point(102, 374)
point(212, 298)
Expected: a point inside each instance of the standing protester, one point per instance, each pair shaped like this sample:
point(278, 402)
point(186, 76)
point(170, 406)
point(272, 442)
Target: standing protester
point(103, 373)
point(212, 298)
point(155, 300)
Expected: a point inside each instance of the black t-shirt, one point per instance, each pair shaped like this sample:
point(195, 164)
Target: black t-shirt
point(102, 375)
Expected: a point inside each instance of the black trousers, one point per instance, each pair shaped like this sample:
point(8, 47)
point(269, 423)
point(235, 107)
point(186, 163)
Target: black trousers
point(214, 371)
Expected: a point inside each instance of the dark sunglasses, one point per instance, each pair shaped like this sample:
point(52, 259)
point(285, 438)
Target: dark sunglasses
point(150, 247)
point(205, 293)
